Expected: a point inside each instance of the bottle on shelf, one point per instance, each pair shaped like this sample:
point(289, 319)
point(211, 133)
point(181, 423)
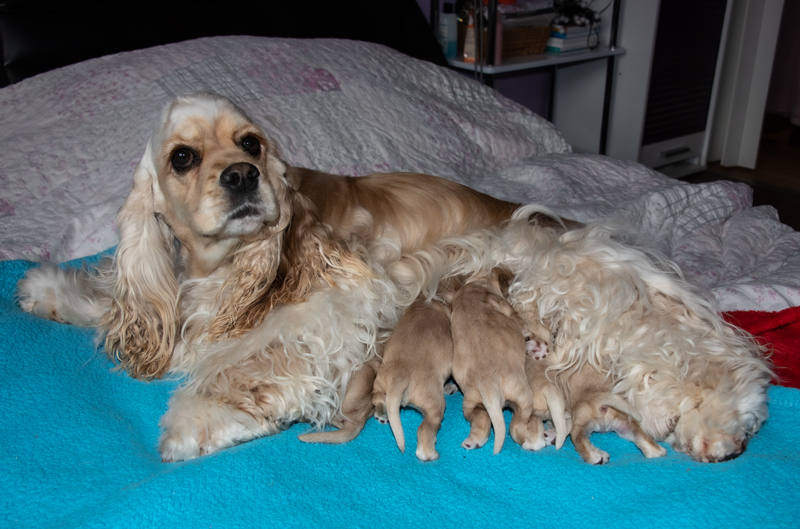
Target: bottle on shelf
point(448, 31)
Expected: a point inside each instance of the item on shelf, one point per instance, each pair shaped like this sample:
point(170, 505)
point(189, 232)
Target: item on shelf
point(524, 35)
point(470, 44)
point(556, 45)
point(448, 31)
point(571, 38)
point(574, 13)
point(470, 53)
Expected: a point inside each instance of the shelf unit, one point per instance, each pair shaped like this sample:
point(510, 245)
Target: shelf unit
point(542, 60)
point(487, 71)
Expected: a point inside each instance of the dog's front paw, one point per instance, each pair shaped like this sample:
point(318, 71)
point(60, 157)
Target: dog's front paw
point(706, 441)
point(196, 425)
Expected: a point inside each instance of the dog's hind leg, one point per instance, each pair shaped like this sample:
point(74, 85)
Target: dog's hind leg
point(70, 295)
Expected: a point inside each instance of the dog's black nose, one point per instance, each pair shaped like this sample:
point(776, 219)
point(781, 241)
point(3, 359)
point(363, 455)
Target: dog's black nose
point(240, 178)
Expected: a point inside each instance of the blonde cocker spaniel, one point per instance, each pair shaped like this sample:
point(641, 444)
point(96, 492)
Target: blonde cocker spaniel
point(267, 286)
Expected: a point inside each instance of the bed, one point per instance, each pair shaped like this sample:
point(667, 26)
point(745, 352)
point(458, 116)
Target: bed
point(80, 438)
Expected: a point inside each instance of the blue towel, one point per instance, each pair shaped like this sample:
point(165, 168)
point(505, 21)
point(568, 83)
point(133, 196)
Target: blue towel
point(79, 449)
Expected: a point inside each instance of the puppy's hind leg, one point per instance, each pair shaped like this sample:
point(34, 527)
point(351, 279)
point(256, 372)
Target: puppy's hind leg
point(584, 415)
point(629, 428)
point(356, 408)
point(480, 424)
point(426, 433)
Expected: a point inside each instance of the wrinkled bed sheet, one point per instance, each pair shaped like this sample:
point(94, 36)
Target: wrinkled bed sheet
point(70, 139)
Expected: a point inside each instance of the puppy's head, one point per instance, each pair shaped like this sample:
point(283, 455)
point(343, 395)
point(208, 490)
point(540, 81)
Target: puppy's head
point(220, 177)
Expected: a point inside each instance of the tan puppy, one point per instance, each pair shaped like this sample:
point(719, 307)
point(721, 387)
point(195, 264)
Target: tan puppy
point(356, 408)
point(489, 361)
point(548, 401)
point(594, 408)
point(417, 362)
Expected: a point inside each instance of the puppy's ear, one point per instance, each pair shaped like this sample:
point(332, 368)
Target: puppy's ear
point(142, 324)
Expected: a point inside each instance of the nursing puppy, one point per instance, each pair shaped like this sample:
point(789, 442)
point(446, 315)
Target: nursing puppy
point(356, 408)
point(594, 408)
point(548, 401)
point(489, 341)
point(417, 361)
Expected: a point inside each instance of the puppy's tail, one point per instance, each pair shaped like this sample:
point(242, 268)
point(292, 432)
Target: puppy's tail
point(348, 432)
point(558, 409)
point(493, 401)
point(394, 398)
point(620, 404)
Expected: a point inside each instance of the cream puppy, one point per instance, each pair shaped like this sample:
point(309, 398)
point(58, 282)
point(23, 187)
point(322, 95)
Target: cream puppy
point(489, 361)
point(595, 408)
point(548, 401)
point(356, 408)
point(417, 361)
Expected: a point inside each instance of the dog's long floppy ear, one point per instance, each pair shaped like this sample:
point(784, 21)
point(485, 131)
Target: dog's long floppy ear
point(247, 294)
point(315, 256)
point(142, 324)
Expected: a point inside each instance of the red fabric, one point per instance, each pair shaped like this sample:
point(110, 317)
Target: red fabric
point(780, 331)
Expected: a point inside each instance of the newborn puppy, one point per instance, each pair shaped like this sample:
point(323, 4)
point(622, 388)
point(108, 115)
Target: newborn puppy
point(356, 408)
point(594, 408)
point(489, 353)
point(417, 362)
point(548, 402)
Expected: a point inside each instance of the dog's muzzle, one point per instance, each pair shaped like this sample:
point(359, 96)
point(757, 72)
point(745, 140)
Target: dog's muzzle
point(240, 178)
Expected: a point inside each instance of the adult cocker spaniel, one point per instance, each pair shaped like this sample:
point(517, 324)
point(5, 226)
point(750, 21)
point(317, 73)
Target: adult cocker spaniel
point(268, 286)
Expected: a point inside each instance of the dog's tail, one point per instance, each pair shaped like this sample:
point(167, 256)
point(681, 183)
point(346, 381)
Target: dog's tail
point(394, 399)
point(558, 409)
point(493, 402)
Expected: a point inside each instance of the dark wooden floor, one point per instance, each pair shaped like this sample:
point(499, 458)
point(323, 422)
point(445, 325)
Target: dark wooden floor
point(776, 178)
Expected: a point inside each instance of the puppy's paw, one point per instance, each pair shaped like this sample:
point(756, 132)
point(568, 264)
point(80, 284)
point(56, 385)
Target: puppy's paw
point(538, 350)
point(471, 443)
point(654, 450)
point(427, 454)
point(597, 456)
point(450, 388)
point(537, 444)
point(550, 437)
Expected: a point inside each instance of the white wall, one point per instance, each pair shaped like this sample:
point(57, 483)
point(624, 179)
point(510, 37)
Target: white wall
point(746, 70)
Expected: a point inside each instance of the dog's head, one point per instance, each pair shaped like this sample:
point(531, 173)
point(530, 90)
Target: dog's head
point(217, 179)
point(212, 180)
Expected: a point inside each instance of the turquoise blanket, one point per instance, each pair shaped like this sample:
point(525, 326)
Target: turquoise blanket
point(79, 449)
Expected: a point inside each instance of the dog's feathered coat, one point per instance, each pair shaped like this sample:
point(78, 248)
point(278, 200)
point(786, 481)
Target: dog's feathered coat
point(268, 286)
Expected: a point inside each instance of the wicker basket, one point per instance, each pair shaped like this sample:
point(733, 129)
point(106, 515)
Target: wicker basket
point(525, 40)
point(522, 40)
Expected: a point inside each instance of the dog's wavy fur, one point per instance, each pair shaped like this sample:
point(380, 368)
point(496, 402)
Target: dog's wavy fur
point(268, 308)
point(627, 311)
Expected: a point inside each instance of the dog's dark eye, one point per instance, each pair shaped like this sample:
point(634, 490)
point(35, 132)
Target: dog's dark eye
point(182, 159)
point(251, 145)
